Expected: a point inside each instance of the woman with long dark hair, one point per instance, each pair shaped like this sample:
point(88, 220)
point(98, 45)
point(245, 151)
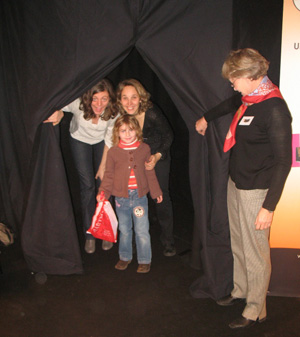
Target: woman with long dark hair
point(94, 115)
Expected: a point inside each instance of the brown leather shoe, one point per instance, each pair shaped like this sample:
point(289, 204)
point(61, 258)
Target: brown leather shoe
point(144, 268)
point(122, 265)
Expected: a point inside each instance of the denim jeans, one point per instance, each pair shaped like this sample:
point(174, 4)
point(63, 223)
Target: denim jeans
point(134, 210)
point(87, 159)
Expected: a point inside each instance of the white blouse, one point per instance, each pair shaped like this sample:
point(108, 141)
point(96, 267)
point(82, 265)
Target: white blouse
point(87, 132)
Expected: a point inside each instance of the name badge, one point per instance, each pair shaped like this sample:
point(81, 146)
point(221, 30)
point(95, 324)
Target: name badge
point(246, 120)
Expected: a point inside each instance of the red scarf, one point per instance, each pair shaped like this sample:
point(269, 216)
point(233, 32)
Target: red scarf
point(268, 90)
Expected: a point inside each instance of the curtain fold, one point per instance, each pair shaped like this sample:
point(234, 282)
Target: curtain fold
point(179, 49)
point(52, 52)
point(49, 237)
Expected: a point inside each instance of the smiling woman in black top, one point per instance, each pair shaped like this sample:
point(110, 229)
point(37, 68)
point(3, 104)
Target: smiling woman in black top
point(259, 138)
point(133, 99)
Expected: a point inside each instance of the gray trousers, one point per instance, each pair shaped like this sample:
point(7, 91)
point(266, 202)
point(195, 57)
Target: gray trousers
point(250, 249)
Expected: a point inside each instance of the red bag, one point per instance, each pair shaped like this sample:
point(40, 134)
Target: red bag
point(104, 223)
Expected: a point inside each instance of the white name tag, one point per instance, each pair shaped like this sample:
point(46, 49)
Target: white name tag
point(246, 120)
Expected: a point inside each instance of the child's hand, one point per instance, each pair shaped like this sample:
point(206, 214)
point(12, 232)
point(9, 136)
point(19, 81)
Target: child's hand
point(100, 196)
point(159, 199)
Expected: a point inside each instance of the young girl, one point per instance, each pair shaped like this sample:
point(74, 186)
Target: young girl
point(127, 179)
point(133, 99)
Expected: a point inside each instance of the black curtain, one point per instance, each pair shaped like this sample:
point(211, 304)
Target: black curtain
point(52, 51)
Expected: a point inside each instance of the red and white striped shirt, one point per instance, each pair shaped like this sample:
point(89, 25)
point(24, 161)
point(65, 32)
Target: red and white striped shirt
point(132, 184)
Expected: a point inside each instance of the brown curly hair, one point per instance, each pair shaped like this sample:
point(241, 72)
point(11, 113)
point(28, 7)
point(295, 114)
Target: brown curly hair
point(132, 122)
point(145, 102)
point(86, 101)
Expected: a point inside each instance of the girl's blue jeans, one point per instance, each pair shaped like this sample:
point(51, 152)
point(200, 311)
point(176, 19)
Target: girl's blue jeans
point(134, 211)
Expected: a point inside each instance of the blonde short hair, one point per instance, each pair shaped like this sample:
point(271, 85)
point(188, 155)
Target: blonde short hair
point(245, 62)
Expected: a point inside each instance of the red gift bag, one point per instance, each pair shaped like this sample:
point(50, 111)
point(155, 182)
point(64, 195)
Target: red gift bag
point(104, 223)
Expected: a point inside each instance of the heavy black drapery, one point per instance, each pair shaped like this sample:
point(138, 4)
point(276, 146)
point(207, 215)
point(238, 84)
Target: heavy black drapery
point(52, 51)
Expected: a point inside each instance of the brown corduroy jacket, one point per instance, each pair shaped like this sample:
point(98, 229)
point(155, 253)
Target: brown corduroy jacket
point(119, 163)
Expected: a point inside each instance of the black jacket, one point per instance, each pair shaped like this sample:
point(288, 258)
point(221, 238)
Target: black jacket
point(157, 132)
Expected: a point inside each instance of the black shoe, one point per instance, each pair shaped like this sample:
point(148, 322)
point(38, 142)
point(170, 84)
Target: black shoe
point(229, 300)
point(170, 250)
point(243, 322)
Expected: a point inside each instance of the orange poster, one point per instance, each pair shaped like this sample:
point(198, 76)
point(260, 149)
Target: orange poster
point(285, 231)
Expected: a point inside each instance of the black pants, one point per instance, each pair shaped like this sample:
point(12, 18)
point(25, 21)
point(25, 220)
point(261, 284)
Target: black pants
point(164, 210)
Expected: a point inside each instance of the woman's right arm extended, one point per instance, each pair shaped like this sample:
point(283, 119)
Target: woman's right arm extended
point(57, 115)
point(55, 118)
point(230, 105)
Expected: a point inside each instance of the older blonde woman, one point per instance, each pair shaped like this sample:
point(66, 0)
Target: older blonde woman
point(259, 139)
